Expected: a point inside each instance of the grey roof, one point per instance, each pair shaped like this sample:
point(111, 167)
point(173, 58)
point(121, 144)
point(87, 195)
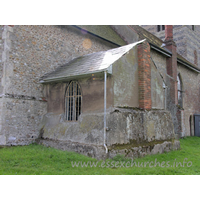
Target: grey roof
point(88, 64)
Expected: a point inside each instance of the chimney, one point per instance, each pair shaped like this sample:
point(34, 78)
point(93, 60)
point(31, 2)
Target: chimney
point(171, 63)
point(168, 32)
point(144, 76)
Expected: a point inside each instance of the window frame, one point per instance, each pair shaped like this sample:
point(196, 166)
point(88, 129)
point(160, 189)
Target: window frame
point(73, 101)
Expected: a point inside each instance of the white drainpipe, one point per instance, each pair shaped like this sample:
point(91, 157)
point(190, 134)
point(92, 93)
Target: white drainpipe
point(105, 79)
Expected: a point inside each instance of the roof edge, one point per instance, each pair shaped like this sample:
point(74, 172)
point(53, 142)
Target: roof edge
point(106, 65)
point(50, 80)
point(187, 65)
point(161, 50)
point(155, 47)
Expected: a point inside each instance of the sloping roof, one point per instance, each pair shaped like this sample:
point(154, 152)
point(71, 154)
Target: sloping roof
point(144, 34)
point(88, 64)
point(104, 31)
point(185, 62)
point(153, 40)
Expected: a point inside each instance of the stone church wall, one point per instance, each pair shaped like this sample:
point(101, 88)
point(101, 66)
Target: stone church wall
point(130, 132)
point(28, 53)
point(186, 39)
point(191, 97)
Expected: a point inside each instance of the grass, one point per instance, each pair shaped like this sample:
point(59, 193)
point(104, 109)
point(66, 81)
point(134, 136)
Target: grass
point(40, 160)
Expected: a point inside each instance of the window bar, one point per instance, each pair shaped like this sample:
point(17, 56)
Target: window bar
point(67, 105)
point(66, 102)
point(74, 106)
point(74, 98)
point(77, 106)
point(73, 101)
point(70, 102)
point(80, 105)
point(67, 108)
point(78, 101)
point(79, 98)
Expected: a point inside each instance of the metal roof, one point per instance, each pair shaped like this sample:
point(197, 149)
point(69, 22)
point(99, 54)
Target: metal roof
point(88, 64)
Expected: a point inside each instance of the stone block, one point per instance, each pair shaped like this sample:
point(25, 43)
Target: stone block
point(2, 140)
point(11, 139)
point(176, 145)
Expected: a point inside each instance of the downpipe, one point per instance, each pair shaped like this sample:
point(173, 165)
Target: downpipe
point(105, 79)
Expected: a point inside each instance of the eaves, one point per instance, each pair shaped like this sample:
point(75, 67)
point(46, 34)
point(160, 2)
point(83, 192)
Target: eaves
point(188, 66)
point(169, 54)
point(160, 50)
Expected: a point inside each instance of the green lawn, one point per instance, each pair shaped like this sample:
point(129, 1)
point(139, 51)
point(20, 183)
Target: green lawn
point(37, 159)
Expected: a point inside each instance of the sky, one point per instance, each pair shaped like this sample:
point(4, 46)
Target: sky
point(102, 12)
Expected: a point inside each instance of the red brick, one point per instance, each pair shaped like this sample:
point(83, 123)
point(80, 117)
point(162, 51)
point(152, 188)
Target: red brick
point(144, 76)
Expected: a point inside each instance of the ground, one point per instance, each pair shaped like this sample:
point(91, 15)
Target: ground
point(38, 159)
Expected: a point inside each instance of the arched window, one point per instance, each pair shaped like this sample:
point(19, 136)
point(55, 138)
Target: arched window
point(73, 100)
point(179, 87)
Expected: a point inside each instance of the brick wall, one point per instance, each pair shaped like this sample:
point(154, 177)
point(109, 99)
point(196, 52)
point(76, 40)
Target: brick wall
point(144, 76)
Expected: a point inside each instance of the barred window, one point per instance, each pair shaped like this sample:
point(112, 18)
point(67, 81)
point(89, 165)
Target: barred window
point(73, 100)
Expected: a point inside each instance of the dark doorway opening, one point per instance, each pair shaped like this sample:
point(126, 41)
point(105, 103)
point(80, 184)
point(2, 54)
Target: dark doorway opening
point(190, 122)
point(197, 125)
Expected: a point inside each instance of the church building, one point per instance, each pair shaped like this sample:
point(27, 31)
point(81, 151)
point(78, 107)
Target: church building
point(96, 90)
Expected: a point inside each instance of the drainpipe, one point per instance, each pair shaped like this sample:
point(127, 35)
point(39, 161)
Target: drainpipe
point(105, 79)
point(165, 98)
